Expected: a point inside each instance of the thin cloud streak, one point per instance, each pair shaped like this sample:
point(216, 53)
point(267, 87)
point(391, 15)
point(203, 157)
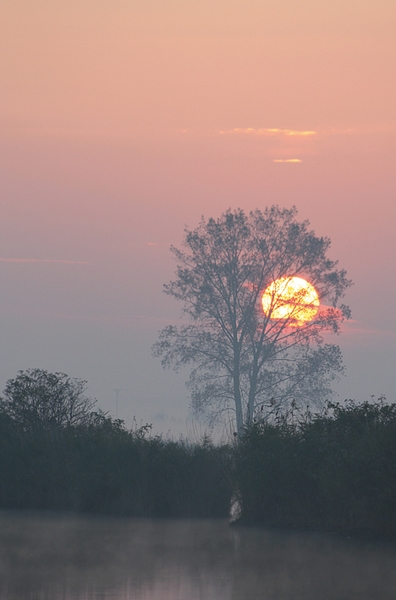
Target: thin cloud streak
point(117, 320)
point(158, 244)
point(44, 260)
point(287, 160)
point(270, 132)
point(354, 329)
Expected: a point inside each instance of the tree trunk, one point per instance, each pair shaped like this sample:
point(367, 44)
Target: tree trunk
point(252, 397)
point(237, 394)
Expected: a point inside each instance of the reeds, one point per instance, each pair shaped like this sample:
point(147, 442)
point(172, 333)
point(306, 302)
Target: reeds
point(103, 468)
point(335, 471)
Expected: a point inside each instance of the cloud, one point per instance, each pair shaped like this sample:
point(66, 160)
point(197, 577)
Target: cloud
point(270, 132)
point(287, 160)
point(158, 244)
point(355, 328)
point(44, 260)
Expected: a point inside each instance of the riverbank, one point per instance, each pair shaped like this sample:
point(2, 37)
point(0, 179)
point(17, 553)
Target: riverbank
point(334, 472)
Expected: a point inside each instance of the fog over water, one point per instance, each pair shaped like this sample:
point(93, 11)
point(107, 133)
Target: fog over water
point(47, 556)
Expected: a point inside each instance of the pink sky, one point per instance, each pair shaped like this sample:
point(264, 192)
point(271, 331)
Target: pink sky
point(121, 122)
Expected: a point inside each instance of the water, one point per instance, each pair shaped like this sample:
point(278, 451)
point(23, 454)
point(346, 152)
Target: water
point(52, 557)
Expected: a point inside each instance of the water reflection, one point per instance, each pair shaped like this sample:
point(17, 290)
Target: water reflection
point(73, 558)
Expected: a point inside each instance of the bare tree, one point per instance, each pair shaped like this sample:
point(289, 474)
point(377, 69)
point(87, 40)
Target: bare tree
point(37, 397)
point(244, 359)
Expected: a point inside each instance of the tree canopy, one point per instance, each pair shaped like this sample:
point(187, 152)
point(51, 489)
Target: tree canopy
point(37, 397)
point(242, 358)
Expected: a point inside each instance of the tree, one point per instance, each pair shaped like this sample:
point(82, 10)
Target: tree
point(244, 359)
point(36, 397)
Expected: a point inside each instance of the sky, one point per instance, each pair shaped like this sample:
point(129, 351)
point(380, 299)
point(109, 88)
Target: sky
point(124, 121)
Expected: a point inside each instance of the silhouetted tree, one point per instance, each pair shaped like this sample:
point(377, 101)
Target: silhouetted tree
point(241, 357)
point(37, 397)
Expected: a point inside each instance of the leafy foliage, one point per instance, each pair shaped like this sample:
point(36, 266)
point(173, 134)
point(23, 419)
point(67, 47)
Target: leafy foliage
point(334, 471)
point(94, 464)
point(37, 397)
point(331, 471)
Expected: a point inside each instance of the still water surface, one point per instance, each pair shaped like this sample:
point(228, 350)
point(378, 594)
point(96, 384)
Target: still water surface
point(51, 557)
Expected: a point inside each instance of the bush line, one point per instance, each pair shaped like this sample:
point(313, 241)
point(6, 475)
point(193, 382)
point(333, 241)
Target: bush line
point(330, 472)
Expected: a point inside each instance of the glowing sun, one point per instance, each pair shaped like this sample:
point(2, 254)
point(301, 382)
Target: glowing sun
point(291, 298)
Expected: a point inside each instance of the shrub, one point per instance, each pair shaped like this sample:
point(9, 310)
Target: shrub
point(335, 471)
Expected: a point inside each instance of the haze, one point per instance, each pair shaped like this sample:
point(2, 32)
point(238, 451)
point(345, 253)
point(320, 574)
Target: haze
point(123, 121)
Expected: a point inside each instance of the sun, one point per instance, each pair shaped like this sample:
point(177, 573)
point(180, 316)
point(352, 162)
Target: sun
point(291, 298)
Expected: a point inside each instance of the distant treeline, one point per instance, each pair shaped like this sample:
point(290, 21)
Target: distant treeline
point(334, 471)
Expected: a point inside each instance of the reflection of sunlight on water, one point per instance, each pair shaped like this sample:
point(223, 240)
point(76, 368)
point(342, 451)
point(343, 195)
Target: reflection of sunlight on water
point(49, 557)
point(180, 588)
point(235, 509)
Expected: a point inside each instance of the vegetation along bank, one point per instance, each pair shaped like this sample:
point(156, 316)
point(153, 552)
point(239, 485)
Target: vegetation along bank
point(334, 471)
